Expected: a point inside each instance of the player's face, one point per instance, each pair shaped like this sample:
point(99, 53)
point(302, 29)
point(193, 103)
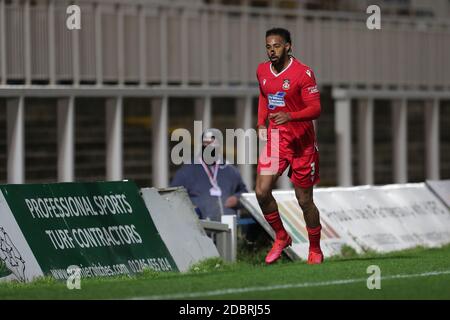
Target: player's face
point(277, 49)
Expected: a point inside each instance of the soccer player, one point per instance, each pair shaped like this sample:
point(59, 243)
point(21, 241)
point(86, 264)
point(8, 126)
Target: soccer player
point(289, 100)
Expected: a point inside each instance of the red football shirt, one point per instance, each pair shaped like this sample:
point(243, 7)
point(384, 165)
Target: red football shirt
point(292, 90)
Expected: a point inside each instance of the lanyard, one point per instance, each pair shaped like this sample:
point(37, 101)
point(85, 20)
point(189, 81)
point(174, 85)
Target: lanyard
point(211, 176)
point(213, 180)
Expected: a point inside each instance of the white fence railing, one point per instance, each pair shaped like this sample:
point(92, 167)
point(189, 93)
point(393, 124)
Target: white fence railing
point(160, 42)
point(158, 103)
point(431, 102)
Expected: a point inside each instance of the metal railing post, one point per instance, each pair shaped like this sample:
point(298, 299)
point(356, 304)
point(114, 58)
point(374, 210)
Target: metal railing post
point(160, 167)
point(205, 47)
point(27, 42)
point(400, 140)
point(51, 43)
point(343, 132)
point(365, 140)
point(202, 113)
point(76, 55)
point(184, 27)
point(16, 137)
point(224, 48)
point(432, 139)
point(2, 43)
point(98, 45)
point(244, 113)
point(142, 47)
point(163, 44)
point(66, 140)
point(114, 136)
point(120, 45)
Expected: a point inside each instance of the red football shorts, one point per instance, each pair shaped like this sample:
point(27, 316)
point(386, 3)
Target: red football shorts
point(304, 167)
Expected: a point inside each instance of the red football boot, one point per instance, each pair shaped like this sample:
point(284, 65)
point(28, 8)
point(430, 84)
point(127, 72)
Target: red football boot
point(277, 248)
point(315, 258)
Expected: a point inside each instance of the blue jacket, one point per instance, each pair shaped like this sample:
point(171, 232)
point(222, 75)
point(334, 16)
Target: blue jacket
point(195, 180)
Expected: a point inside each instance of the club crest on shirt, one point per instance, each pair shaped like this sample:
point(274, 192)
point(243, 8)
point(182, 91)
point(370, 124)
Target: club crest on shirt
point(286, 84)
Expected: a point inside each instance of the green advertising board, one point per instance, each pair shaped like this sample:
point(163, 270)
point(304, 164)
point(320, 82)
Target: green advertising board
point(103, 228)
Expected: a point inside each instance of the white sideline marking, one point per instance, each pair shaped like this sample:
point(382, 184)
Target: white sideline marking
point(282, 286)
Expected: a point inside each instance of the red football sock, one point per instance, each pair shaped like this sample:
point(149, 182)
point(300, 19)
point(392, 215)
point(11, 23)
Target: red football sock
point(314, 239)
point(277, 225)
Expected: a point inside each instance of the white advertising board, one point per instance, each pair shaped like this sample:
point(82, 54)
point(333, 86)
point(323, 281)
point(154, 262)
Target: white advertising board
point(383, 219)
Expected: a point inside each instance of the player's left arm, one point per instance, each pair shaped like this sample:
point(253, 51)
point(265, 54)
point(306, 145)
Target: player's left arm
point(311, 98)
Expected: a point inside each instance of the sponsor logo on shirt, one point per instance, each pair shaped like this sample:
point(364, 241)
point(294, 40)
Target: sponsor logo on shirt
point(313, 89)
point(276, 100)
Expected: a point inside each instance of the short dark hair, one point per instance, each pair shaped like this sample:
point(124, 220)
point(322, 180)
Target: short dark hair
point(285, 34)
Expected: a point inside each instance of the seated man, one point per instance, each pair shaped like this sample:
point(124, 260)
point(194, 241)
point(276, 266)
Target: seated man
point(213, 186)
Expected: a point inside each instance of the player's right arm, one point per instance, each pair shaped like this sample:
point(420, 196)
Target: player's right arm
point(262, 116)
point(262, 113)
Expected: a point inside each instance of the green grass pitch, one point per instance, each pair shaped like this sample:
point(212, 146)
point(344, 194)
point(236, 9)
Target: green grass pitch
point(412, 274)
